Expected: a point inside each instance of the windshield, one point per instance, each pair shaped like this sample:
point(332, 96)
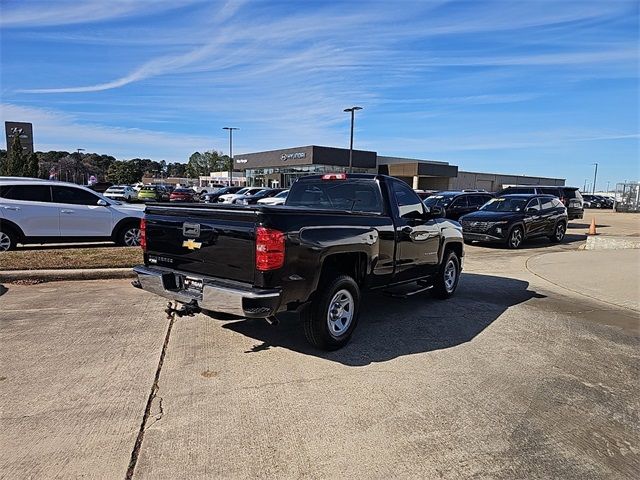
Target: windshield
point(242, 191)
point(504, 204)
point(438, 200)
point(282, 194)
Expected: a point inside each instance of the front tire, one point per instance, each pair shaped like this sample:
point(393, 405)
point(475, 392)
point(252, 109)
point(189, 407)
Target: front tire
point(558, 232)
point(448, 276)
point(8, 239)
point(516, 236)
point(332, 317)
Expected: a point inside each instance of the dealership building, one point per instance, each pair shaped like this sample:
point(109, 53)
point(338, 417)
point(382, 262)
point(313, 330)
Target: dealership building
point(280, 168)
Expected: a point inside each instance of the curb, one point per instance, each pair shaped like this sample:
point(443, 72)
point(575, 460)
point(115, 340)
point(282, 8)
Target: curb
point(70, 274)
point(612, 242)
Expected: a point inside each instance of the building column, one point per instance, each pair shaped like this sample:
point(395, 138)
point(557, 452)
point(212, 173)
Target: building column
point(415, 182)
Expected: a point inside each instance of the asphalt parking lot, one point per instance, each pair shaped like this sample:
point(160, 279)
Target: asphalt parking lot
point(520, 375)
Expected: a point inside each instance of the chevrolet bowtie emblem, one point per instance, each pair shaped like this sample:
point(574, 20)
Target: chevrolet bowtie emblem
point(191, 244)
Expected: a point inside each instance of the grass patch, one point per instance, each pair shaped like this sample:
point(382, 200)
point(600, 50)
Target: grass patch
point(71, 258)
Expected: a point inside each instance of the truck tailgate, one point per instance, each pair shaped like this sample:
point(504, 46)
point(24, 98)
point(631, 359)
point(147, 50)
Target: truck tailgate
point(210, 241)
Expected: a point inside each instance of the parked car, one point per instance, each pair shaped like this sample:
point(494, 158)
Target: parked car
point(253, 199)
point(51, 212)
point(277, 199)
point(596, 201)
point(213, 197)
point(183, 195)
point(456, 204)
point(213, 188)
point(423, 194)
point(511, 219)
point(122, 192)
point(153, 193)
point(569, 196)
point(230, 197)
point(337, 235)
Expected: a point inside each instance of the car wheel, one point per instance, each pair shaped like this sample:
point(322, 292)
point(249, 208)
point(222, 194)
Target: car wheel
point(8, 239)
point(129, 236)
point(332, 317)
point(559, 232)
point(448, 276)
point(515, 237)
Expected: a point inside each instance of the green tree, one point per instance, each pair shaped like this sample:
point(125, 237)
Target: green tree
point(124, 172)
point(33, 166)
point(15, 164)
point(205, 163)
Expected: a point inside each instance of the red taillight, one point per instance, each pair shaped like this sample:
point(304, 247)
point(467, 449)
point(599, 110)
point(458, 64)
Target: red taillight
point(334, 176)
point(143, 234)
point(269, 249)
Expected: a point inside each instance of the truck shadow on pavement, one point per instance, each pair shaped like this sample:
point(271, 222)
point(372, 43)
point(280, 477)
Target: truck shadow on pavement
point(393, 327)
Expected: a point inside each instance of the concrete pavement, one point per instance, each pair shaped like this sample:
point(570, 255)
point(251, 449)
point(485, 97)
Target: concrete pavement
point(517, 376)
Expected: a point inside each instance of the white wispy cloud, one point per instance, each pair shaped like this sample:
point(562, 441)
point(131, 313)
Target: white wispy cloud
point(54, 130)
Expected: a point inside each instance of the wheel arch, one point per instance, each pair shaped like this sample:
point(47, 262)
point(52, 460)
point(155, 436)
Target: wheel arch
point(13, 226)
point(125, 222)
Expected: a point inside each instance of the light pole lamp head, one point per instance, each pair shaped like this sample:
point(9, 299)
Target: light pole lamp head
point(352, 109)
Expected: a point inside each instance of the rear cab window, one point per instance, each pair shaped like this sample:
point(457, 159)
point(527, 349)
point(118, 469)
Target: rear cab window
point(351, 195)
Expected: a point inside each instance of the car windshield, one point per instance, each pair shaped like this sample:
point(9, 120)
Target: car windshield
point(438, 200)
point(282, 194)
point(182, 190)
point(242, 191)
point(504, 204)
point(148, 189)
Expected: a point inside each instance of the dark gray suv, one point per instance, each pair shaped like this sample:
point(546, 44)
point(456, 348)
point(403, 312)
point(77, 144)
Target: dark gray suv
point(569, 196)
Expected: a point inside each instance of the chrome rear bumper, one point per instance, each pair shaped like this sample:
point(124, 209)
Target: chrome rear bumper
point(217, 295)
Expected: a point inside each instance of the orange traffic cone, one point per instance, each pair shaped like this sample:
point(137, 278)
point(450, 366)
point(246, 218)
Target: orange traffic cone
point(592, 227)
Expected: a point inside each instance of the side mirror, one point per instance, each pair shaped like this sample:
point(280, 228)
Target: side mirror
point(435, 211)
point(103, 203)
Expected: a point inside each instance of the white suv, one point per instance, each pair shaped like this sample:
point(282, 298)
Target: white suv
point(40, 211)
point(122, 192)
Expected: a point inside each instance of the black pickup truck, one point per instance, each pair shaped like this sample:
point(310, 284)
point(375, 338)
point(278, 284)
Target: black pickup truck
point(336, 235)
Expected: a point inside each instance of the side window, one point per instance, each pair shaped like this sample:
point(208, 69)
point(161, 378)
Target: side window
point(550, 191)
point(407, 200)
point(476, 200)
point(557, 203)
point(27, 193)
point(74, 196)
point(460, 202)
point(534, 203)
point(547, 203)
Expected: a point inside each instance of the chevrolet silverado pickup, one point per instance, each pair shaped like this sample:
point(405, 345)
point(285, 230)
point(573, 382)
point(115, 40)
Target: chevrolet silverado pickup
point(336, 235)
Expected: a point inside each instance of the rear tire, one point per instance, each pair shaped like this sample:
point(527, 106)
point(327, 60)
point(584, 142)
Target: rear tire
point(331, 318)
point(8, 239)
point(558, 232)
point(129, 235)
point(448, 276)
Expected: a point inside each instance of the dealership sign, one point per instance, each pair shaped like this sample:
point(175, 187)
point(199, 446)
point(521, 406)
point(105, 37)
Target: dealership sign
point(241, 160)
point(292, 156)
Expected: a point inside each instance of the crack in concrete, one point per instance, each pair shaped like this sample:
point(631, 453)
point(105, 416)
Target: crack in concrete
point(147, 411)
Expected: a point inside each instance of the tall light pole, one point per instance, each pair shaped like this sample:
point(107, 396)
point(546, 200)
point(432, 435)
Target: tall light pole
point(231, 129)
point(595, 176)
point(353, 114)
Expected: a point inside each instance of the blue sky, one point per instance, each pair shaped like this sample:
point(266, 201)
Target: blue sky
point(525, 87)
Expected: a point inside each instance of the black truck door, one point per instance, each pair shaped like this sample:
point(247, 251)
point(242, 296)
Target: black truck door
point(417, 238)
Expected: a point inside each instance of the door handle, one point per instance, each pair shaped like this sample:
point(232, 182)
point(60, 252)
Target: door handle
point(12, 208)
point(66, 211)
point(408, 230)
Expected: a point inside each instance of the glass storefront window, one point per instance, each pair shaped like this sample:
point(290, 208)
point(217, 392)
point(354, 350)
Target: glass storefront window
point(285, 176)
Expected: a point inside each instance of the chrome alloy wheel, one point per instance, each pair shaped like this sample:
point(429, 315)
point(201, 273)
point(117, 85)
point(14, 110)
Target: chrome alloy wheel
point(450, 275)
point(340, 314)
point(5, 242)
point(132, 237)
point(560, 231)
point(516, 238)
